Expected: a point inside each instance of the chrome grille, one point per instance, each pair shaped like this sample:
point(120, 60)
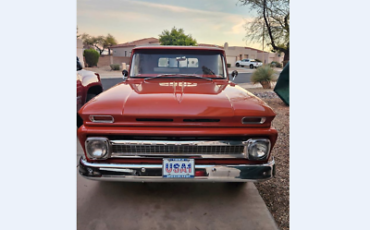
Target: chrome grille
point(187, 148)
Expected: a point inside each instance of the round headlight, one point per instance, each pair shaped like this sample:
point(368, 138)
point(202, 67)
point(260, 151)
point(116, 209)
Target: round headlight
point(258, 149)
point(97, 147)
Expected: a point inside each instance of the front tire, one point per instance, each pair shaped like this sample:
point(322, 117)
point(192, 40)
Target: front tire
point(237, 64)
point(251, 66)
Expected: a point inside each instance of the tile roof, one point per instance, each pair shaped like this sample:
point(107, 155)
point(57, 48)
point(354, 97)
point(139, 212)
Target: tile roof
point(210, 45)
point(135, 43)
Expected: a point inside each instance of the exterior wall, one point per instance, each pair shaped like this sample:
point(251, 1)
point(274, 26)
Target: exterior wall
point(266, 57)
point(104, 61)
point(80, 52)
point(235, 53)
point(120, 60)
point(108, 60)
point(120, 52)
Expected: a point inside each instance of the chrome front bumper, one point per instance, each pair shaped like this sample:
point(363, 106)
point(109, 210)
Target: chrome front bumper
point(153, 172)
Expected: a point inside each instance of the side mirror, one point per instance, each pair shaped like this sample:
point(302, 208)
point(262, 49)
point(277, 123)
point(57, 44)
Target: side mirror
point(125, 74)
point(234, 74)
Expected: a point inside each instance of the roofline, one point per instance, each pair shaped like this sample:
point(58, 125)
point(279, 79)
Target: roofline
point(128, 44)
point(178, 47)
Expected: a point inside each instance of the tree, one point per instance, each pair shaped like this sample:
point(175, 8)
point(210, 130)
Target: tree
point(272, 22)
point(176, 37)
point(99, 42)
point(108, 42)
point(96, 42)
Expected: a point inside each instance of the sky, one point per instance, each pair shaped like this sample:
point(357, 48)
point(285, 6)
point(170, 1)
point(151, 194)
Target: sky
point(208, 21)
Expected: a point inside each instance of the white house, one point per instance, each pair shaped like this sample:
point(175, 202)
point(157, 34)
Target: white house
point(124, 49)
point(235, 53)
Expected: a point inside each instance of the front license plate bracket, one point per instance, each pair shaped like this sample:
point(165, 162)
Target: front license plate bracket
point(178, 168)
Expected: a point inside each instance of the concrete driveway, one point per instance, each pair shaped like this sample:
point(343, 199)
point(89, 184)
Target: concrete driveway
point(172, 206)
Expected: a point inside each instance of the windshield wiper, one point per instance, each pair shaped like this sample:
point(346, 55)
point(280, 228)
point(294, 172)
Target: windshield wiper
point(175, 76)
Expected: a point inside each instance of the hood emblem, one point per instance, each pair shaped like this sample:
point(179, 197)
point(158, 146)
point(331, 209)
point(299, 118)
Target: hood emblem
point(177, 92)
point(178, 97)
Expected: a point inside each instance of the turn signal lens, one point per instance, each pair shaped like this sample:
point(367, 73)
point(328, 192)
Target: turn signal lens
point(101, 118)
point(253, 120)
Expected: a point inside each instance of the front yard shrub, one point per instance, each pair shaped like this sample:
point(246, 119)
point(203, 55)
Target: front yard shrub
point(115, 67)
point(276, 64)
point(91, 57)
point(228, 65)
point(264, 75)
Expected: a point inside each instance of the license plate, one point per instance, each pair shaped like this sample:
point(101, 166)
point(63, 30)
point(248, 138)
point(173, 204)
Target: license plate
point(178, 168)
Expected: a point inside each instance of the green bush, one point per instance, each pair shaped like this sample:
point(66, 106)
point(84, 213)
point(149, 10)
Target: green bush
point(91, 57)
point(115, 67)
point(276, 64)
point(228, 65)
point(263, 74)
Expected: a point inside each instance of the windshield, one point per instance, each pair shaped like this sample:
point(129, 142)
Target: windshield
point(156, 62)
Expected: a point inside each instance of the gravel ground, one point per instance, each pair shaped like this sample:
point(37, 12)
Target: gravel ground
point(275, 192)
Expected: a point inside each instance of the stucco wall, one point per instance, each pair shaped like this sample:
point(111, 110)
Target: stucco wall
point(120, 52)
point(108, 60)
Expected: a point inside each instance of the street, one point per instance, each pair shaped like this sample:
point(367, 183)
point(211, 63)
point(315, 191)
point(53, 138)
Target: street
point(109, 82)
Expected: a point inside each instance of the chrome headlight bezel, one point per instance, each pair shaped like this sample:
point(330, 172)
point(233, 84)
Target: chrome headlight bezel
point(250, 143)
point(105, 141)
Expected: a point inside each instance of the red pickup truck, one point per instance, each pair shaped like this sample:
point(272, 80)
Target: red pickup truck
point(177, 117)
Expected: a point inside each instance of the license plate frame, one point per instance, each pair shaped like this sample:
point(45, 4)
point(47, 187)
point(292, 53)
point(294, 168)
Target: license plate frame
point(169, 170)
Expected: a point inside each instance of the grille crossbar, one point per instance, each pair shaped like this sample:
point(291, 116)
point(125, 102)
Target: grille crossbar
point(189, 148)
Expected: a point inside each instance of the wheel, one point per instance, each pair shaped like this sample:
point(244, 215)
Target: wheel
point(251, 66)
point(237, 64)
point(90, 96)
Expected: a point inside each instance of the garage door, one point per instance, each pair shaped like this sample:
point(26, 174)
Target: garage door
point(231, 60)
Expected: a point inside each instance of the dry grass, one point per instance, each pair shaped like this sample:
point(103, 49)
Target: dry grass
point(275, 192)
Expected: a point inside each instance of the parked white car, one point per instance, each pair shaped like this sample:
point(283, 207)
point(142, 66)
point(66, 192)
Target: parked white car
point(252, 63)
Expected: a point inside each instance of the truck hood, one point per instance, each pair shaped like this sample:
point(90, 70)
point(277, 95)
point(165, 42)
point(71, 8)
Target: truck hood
point(160, 100)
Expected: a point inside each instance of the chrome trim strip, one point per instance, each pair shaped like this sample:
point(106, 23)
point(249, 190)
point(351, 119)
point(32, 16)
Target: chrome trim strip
point(263, 119)
point(196, 156)
point(92, 118)
point(191, 143)
point(149, 173)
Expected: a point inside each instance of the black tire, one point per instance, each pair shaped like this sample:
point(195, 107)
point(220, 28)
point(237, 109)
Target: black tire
point(79, 121)
point(251, 66)
point(90, 96)
point(237, 64)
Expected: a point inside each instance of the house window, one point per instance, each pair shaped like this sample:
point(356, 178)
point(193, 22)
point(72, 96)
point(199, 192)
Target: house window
point(241, 57)
point(125, 53)
point(246, 55)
